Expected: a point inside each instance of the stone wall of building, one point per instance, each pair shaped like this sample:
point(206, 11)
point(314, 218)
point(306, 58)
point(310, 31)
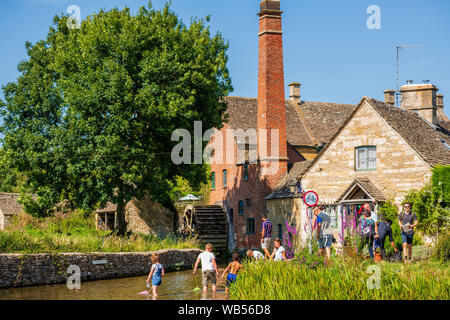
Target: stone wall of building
point(148, 217)
point(19, 270)
point(398, 168)
point(282, 211)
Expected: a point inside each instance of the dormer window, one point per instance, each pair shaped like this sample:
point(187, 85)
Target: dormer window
point(366, 158)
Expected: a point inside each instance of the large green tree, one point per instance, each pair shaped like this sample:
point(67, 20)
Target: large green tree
point(91, 116)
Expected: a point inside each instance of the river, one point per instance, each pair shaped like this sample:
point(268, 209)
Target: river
point(177, 285)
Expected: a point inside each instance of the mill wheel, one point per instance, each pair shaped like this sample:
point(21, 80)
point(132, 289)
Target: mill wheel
point(208, 223)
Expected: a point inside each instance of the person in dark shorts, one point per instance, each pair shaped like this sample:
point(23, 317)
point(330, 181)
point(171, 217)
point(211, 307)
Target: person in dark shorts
point(324, 232)
point(407, 221)
point(384, 230)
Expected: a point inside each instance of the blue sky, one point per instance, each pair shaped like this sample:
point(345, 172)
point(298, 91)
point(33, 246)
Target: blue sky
point(327, 45)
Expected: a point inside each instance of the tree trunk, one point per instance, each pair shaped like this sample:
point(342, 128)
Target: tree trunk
point(121, 226)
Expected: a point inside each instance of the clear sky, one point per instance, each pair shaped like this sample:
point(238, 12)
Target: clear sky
point(327, 44)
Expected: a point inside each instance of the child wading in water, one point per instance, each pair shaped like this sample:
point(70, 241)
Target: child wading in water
point(209, 267)
point(156, 273)
point(234, 268)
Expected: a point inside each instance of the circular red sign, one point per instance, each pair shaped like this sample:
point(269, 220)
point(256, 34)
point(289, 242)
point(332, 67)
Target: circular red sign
point(310, 198)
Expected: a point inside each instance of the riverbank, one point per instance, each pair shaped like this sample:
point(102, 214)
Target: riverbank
point(51, 268)
point(76, 232)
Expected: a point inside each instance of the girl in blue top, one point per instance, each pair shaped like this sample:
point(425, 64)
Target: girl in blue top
point(156, 273)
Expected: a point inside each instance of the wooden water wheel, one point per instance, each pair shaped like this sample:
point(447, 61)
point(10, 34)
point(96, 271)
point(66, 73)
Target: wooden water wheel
point(208, 223)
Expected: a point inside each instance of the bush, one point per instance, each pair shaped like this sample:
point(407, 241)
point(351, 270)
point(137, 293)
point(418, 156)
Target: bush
point(442, 249)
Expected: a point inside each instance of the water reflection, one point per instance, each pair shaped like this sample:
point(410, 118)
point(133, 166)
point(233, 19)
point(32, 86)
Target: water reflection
point(175, 286)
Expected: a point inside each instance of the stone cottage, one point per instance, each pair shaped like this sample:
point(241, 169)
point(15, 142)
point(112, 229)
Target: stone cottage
point(144, 217)
point(8, 208)
point(380, 153)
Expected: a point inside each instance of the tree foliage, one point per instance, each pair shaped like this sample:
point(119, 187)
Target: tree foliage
point(431, 203)
point(90, 118)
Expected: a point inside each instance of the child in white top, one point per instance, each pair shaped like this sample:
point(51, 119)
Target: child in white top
point(279, 253)
point(209, 267)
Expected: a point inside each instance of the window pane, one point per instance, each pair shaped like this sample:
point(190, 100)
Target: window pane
point(224, 183)
point(361, 159)
point(372, 159)
point(213, 180)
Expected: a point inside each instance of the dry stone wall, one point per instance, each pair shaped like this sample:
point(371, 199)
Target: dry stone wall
point(17, 270)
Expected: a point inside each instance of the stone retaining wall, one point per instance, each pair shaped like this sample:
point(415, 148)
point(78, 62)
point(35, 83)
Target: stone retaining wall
point(17, 270)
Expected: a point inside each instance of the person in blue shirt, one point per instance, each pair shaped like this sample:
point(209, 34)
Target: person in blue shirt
point(266, 235)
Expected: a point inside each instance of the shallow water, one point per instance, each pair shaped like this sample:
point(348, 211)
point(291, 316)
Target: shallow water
point(175, 286)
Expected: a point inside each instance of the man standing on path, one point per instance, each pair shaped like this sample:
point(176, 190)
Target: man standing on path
point(407, 221)
point(324, 232)
point(266, 234)
point(384, 230)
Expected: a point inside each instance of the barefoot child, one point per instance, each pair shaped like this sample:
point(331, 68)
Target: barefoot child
point(209, 267)
point(156, 272)
point(234, 268)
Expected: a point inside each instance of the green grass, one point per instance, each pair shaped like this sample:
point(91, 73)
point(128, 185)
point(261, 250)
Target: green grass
point(77, 233)
point(340, 280)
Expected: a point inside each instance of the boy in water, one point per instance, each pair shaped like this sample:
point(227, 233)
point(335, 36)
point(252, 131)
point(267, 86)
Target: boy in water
point(234, 268)
point(156, 273)
point(209, 267)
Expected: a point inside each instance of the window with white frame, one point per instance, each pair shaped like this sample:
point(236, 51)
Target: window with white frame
point(366, 158)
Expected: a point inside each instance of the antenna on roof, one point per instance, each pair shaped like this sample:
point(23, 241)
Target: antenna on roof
point(397, 93)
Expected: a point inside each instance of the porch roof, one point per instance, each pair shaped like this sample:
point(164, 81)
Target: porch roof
point(366, 186)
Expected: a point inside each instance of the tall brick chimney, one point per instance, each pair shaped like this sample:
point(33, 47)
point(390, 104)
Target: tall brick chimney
point(271, 100)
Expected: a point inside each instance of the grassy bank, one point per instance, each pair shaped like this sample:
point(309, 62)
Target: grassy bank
point(77, 233)
point(341, 280)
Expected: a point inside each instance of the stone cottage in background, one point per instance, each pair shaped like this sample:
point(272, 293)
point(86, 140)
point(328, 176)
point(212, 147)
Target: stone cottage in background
point(144, 217)
point(8, 208)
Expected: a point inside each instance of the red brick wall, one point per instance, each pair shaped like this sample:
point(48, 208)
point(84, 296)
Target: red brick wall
point(271, 115)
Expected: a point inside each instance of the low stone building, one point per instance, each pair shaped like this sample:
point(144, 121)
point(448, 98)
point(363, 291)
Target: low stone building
point(380, 153)
point(9, 206)
point(145, 217)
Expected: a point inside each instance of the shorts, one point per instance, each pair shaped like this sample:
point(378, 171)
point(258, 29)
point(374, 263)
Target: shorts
point(325, 241)
point(208, 276)
point(407, 237)
point(231, 279)
point(378, 243)
point(156, 281)
point(265, 243)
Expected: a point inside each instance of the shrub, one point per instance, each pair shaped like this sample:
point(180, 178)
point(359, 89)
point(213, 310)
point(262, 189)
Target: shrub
point(442, 249)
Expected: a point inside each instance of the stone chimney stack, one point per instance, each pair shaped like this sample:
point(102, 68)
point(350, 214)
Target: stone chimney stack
point(294, 92)
point(271, 94)
point(389, 97)
point(420, 98)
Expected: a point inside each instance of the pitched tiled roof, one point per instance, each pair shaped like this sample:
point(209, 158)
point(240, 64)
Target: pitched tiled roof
point(327, 118)
point(282, 190)
point(420, 134)
point(9, 204)
point(368, 186)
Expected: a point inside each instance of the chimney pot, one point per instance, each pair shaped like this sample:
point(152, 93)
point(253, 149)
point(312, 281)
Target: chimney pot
point(389, 97)
point(294, 92)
